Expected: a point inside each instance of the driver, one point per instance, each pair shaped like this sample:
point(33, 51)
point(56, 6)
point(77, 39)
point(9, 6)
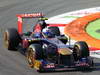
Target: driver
point(47, 33)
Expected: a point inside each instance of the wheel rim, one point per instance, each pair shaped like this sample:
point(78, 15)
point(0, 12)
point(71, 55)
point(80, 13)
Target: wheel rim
point(77, 51)
point(31, 57)
point(6, 39)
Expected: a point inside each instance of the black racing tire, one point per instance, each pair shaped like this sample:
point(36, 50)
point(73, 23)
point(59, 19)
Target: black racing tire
point(34, 52)
point(55, 30)
point(80, 50)
point(37, 48)
point(11, 39)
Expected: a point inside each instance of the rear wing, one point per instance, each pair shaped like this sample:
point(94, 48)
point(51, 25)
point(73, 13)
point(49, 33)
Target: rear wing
point(21, 16)
point(32, 15)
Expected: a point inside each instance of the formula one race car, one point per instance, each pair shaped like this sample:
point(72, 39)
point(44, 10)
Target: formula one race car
point(45, 48)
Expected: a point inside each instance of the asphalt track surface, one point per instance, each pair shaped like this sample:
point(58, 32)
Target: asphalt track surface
point(13, 63)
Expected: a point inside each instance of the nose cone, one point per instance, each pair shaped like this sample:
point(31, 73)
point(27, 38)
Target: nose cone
point(64, 51)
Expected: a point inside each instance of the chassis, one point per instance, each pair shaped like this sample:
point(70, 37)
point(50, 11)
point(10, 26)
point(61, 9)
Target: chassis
point(45, 53)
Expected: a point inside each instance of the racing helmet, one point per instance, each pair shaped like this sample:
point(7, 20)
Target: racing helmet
point(42, 23)
point(47, 33)
point(37, 35)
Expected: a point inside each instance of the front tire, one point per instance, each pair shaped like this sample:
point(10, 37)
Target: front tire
point(80, 50)
point(33, 53)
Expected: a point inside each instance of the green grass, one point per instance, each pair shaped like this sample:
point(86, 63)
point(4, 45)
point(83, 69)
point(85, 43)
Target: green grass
point(71, 17)
point(93, 29)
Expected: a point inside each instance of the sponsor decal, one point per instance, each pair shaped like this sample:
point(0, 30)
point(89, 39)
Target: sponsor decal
point(30, 15)
point(19, 19)
point(50, 65)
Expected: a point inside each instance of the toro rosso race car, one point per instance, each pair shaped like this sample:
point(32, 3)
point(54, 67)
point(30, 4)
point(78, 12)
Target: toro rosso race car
point(45, 48)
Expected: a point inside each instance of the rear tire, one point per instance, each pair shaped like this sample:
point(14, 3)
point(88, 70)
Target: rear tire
point(11, 39)
point(80, 50)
